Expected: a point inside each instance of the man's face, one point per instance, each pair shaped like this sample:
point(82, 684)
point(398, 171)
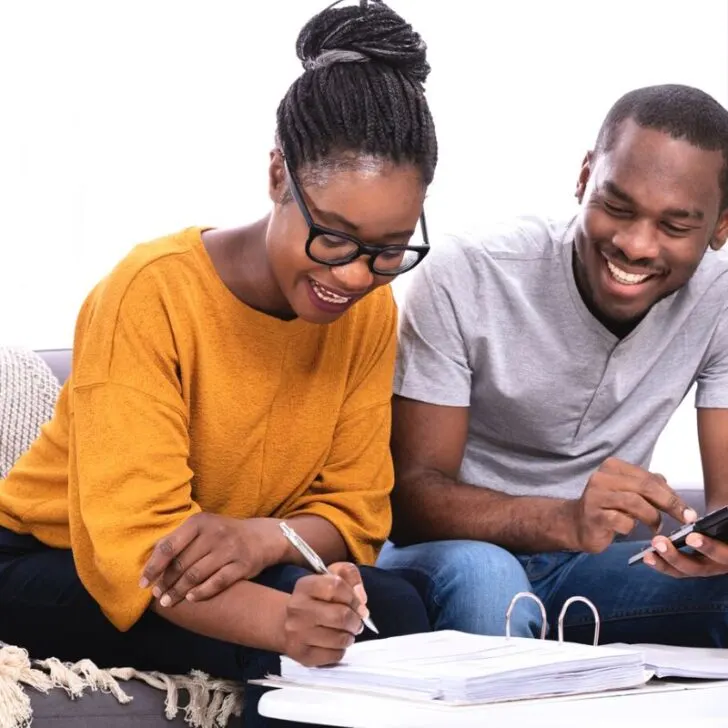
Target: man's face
point(649, 209)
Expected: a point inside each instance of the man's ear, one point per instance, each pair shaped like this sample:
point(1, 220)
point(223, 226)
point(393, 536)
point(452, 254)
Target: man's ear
point(584, 175)
point(720, 234)
point(277, 182)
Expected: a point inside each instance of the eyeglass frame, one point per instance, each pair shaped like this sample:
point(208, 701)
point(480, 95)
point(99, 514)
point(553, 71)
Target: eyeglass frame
point(373, 251)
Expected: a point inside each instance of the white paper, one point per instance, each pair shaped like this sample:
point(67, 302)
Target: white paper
point(458, 667)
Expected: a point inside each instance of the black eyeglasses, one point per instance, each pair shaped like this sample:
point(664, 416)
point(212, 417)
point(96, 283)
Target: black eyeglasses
point(332, 247)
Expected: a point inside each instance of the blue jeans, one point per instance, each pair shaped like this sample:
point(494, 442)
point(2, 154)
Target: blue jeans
point(45, 608)
point(468, 585)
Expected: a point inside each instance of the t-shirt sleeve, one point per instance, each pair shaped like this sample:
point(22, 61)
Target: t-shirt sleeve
point(712, 381)
point(353, 487)
point(129, 478)
point(432, 361)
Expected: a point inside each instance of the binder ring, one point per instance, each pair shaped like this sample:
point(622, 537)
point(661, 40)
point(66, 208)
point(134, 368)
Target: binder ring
point(541, 607)
point(589, 604)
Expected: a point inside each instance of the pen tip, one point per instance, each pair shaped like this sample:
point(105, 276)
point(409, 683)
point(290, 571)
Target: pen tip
point(371, 626)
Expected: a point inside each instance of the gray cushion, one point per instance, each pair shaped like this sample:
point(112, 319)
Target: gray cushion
point(95, 709)
point(59, 360)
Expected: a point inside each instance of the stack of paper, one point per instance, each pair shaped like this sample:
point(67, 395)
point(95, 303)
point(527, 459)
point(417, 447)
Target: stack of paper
point(707, 663)
point(456, 667)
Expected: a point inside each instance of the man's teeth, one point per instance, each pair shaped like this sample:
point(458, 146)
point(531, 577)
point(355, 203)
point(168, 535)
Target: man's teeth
point(628, 279)
point(325, 295)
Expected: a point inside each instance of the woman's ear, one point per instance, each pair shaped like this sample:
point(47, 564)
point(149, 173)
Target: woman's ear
point(277, 182)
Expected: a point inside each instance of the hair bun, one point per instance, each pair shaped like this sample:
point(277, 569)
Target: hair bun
point(369, 28)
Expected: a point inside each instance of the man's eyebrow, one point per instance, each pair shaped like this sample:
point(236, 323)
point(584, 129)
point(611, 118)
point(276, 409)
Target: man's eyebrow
point(616, 191)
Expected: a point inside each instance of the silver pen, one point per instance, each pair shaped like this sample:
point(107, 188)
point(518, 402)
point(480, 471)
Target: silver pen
point(314, 560)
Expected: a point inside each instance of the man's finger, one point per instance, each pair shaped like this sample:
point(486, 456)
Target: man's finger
point(166, 550)
point(715, 551)
point(615, 497)
point(656, 490)
point(683, 563)
point(620, 522)
point(654, 561)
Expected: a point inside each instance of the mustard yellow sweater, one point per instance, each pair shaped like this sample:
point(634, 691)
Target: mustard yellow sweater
point(183, 399)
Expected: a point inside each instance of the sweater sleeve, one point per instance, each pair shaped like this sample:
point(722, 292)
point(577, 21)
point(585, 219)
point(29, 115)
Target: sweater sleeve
point(129, 479)
point(353, 488)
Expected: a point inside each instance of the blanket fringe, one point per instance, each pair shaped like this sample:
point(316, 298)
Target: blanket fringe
point(211, 701)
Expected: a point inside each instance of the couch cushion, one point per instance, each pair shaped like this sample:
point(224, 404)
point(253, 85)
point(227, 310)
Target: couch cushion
point(93, 709)
point(59, 360)
point(28, 393)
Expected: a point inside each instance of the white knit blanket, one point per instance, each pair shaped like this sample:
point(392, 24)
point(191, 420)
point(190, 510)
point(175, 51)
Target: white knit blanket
point(28, 392)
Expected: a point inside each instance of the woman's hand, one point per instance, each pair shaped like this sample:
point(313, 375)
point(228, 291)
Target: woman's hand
point(324, 615)
point(208, 553)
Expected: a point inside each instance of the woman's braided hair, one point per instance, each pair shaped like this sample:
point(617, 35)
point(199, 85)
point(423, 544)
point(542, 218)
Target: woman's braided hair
point(362, 91)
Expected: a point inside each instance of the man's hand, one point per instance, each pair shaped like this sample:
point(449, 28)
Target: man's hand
point(324, 615)
point(616, 497)
point(208, 553)
point(710, 557)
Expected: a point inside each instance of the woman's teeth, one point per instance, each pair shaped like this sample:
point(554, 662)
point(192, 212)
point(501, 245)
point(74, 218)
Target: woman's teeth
point(326, 295)
point(627, 279)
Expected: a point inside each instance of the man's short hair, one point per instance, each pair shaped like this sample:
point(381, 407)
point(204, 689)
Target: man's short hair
point(682, 112)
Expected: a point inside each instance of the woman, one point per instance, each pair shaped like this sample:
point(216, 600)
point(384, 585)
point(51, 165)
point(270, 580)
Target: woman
point(224, 380)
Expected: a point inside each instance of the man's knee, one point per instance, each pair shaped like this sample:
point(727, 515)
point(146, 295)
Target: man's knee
point(466, 585)
point(473, 565)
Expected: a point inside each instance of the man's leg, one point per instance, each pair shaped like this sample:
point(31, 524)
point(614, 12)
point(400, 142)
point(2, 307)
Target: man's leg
point(635, 603)
point(466, 585)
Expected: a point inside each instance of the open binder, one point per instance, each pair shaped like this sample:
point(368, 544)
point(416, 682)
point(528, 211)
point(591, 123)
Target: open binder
point(459, 668)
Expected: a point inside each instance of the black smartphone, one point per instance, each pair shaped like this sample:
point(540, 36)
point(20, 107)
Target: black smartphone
point(713, 524)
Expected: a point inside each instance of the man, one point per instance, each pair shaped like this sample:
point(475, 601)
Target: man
point(539, 364)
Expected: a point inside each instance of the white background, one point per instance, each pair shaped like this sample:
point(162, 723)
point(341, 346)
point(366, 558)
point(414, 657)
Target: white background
point(121, 121)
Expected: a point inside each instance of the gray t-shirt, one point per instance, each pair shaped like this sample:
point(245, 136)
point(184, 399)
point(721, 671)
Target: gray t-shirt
point(495, 322)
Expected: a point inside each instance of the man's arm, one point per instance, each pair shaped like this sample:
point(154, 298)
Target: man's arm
point(713, 438)
point(430, 504)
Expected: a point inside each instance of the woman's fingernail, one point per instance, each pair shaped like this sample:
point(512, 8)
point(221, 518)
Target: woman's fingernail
point(190, 597)
point(157, 592)
point(695, 540)
point(165, 601)
point(361, 595)
point(650, 560)
point(690, 515)
point(143, 582)
point(661, 546)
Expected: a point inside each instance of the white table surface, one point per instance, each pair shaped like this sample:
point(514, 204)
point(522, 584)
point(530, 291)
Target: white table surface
point(702, 704)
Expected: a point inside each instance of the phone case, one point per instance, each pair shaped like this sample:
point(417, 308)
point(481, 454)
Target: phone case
point(713, 525)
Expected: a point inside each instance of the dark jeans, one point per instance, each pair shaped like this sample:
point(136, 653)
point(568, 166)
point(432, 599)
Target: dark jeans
point(45, 609)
